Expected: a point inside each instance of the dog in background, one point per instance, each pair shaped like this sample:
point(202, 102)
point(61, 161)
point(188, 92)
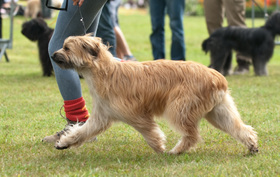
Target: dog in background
point(257, 43)
point(34, 8)
point(182, 92)
point(38, 30)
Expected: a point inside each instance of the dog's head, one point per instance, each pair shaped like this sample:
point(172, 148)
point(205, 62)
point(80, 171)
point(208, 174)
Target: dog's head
point(34, 28)
point(273, 23)
point(80, 52)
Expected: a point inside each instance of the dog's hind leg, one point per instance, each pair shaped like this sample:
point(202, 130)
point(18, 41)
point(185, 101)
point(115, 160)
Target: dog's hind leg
point(77, 135)
point(152, 134)
point(184, 118)
point(189, 139)
point(225, 117)
point(259, 64)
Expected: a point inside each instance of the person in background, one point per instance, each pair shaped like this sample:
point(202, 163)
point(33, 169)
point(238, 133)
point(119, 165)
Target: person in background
point(105, 28)
point(175, 10)
point(111, 33)
point(234, 11)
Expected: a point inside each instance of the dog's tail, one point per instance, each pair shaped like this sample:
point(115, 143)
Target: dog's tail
point(225, 117)
point(206, 45)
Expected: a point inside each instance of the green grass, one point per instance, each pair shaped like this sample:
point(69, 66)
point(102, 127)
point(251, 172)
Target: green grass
point(30, 103)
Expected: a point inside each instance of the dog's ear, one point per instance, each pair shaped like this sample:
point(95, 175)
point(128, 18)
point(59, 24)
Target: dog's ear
point(91, 49)
point(273, 22)
point(101, 44)
point(93, 45)
point(205, 45)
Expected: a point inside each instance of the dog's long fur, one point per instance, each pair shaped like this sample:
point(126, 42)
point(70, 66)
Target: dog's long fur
point(38, 30)
point(134, 92)
point(257, 43)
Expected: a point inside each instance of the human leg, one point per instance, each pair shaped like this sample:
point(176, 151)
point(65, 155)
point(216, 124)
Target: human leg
point(235, 13)
point(122, 47)
point(123, 50)
point(157, 11)
point(106, 28)
point(175, 10)
point(115, 4)
point(69, 24)
point(243, 64)
point(214, 13)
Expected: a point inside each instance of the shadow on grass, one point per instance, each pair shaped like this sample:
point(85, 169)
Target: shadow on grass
point(110, 156)
point(115, 153)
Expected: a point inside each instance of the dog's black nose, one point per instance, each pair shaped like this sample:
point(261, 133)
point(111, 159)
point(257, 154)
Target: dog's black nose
point(56, 58)
point(53, 55)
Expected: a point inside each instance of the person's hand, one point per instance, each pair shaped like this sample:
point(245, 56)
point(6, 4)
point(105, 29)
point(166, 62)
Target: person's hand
point(78, 2)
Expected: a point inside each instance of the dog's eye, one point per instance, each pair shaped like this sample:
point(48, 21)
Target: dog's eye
point(66, 48)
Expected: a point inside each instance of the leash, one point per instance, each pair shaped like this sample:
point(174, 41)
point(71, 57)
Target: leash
point(61, 113)
point(82, 19)
point(265, 13)
point(65, 9)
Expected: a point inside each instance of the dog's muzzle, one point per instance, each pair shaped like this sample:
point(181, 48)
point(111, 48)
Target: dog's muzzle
point(57, 58)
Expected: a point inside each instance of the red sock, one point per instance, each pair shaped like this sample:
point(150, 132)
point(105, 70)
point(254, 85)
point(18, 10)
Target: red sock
point(76, 110)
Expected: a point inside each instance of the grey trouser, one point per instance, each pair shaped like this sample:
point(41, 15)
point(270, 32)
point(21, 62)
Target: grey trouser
point(69, 24)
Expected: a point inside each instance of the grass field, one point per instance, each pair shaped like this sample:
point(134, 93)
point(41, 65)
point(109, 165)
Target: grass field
point(30, 103)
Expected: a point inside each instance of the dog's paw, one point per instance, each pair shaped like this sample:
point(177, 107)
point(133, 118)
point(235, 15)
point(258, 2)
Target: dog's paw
point(61, 146)
point(174, 152)
point(253, 150)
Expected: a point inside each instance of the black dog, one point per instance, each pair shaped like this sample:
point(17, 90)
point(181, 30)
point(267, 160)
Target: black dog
point(38, 30)
point(257, 43)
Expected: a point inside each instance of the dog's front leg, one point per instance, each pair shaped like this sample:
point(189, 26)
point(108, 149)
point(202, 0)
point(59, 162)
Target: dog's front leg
point(152, 134)
point(77, 135)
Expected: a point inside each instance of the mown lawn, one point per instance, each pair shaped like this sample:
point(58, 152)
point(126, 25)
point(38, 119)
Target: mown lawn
point(30, 103)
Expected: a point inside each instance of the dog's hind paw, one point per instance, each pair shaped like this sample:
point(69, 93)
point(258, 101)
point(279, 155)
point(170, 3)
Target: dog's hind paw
point(253, 150)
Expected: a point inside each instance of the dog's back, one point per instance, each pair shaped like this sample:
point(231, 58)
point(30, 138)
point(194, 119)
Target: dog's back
point(189, 72)
point(159, 81)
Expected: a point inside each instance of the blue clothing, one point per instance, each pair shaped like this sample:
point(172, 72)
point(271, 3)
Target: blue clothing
point(69, 24)
point(175, 10)
point(108, 20)
point(105, 28)
point(115, 4)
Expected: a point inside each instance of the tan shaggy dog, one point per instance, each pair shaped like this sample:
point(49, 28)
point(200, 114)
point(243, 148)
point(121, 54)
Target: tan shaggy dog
point(33, 9)
point(135, 92)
